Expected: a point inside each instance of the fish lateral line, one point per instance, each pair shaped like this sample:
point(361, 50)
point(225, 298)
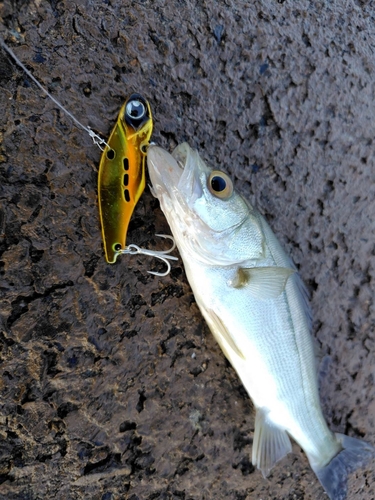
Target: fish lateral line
point(97, 139)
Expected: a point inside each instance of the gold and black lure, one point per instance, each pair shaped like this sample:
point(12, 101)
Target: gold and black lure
point(121, 172)
point(122, 176)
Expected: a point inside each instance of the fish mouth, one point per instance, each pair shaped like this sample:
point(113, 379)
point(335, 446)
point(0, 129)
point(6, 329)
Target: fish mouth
point(164, 170)
point(177, 175)
point(179, 181)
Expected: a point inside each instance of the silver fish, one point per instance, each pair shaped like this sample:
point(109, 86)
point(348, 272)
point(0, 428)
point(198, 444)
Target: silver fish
point(256, 306)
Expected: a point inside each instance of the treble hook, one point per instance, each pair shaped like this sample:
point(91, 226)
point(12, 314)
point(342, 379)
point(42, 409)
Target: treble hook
point(158, 254)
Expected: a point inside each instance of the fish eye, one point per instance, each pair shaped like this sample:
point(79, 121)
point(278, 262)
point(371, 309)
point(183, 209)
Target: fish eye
point(220, 184)
point(135, 110)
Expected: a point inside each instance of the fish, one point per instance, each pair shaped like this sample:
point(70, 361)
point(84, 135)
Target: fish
point(122, 176)
point(256, 305)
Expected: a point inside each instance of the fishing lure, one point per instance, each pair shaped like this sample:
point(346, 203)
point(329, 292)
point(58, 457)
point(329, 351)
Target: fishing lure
point(122, 173)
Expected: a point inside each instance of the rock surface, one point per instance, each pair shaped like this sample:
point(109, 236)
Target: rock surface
point(112, 387)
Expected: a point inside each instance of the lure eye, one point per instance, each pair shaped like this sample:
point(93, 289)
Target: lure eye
point(220, 184)
point(135, 110)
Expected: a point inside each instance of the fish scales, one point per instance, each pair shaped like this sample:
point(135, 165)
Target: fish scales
point(255, 304)
point(282, 354)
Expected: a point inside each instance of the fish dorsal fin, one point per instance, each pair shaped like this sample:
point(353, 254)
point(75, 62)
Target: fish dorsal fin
point(270, 444)
point(221, 334)
point(263, 282)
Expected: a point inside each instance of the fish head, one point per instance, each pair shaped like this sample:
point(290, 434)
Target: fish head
point(204, 211)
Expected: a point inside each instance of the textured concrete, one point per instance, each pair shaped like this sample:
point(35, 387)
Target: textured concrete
point(111, 385)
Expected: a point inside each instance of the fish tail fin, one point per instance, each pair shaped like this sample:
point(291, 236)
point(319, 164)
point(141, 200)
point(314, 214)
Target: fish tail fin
point(334, 476)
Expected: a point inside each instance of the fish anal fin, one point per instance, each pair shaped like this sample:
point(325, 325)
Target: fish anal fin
point(263, 282)
point(221, 334)
point(270, 444)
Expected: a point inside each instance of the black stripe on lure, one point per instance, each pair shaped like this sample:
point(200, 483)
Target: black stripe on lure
point(122, 176)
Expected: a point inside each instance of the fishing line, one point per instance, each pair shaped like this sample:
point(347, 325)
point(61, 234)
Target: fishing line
point(98, 141)
point(131, 249)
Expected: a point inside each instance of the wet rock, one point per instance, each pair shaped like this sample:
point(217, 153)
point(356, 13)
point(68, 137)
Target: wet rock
point(111, 384)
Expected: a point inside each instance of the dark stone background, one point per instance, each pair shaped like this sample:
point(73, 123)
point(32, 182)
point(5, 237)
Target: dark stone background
point(111, 385)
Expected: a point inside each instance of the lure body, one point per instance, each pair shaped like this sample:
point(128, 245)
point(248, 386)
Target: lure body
point(255, 305)
point(122, 173)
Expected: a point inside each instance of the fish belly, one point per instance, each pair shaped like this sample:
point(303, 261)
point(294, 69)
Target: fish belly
point(277, 362)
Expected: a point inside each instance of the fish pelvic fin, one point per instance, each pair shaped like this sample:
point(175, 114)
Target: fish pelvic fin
point(270, 444)
point(334, 476)
point(263, 282)
point(222, 335)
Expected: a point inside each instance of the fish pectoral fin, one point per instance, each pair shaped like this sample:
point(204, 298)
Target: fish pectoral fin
point(221, 334)
point(270, 444)
point(263, 282)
